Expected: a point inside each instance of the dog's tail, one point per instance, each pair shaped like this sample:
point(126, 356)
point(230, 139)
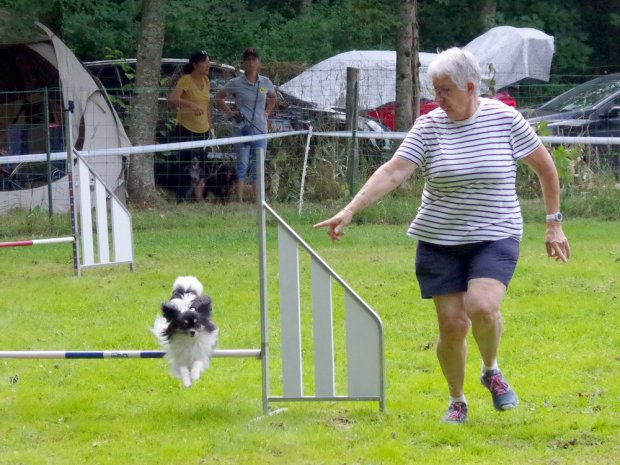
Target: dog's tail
point(186, 284)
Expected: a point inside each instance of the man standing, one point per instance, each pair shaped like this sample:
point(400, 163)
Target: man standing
point(254, 97)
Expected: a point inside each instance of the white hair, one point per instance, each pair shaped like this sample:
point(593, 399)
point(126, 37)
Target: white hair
point(459, 65)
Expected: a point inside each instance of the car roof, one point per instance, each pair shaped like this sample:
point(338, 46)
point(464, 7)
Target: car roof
point(130, 61)
point(597, 99)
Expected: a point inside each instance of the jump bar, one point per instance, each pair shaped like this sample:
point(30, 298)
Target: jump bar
point(100, 354)
point(55, 240)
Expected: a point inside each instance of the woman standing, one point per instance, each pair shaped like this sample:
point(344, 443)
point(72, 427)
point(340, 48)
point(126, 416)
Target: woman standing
point(191, 97)
point(469, 223)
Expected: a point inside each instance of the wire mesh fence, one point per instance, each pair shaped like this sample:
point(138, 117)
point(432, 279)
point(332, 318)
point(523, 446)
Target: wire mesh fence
point(30, 122)
point(32, 145)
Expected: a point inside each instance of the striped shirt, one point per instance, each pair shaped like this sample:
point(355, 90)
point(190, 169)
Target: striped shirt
point(469, 168)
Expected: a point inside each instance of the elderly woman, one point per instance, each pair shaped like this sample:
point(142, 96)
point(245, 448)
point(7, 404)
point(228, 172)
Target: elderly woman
point(469, 223)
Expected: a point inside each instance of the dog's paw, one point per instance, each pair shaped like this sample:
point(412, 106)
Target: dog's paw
point(197, 370)
point(185, 377)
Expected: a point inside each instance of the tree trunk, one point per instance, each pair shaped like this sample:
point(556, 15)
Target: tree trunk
point(407, 88)
point(415, 60)
point(144, 109)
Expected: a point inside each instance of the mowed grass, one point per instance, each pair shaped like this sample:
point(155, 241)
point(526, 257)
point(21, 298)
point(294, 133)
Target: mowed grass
point(560, 351)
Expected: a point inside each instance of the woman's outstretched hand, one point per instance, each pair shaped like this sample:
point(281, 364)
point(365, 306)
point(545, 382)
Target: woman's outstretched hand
point(336, 224)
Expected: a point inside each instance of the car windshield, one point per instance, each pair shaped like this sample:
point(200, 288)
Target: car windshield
point(585, 96)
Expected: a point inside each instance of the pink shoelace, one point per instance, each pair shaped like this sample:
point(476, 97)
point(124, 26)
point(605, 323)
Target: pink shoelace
point(456, 411)
point(497, 385)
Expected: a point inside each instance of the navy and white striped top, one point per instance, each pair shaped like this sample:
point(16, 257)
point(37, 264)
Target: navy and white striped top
point(469, 168)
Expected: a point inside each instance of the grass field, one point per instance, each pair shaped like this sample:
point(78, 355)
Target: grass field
point(560, 351)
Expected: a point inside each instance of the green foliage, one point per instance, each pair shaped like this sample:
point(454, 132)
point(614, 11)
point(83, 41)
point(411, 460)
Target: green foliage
point(565, 158)
point(309, 38)
point(445, 24)
point(313, 30)
point(89, 27)
point(324, 171)
point(326, 175)
point(35, 224)
point(492, 81)
point(130, 74)
point(563, 21)
point(601, 200)
point(116, 54)
point(372, 23)
point(222, 28)
point(17, 26)
point(39, 9)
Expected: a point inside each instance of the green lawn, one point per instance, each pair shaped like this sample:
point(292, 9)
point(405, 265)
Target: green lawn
point(560, 351)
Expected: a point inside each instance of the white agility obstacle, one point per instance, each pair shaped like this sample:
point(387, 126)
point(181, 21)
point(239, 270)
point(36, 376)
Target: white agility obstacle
point(113, 233)
point(363, 357)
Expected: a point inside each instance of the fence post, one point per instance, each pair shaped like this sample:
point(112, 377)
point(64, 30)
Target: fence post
point(48, 149)
point(351, 125)
point(70, 175)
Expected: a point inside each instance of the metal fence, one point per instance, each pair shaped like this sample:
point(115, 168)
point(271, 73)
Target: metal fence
point(316, 168)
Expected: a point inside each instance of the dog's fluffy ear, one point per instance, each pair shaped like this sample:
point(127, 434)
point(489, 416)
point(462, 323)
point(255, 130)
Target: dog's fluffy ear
point(203, 305)
point(170, 312)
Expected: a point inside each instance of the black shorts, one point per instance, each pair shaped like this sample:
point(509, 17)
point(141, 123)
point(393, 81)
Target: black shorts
point(444, 269)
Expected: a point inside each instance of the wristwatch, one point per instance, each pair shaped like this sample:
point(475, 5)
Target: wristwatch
point(555, 217)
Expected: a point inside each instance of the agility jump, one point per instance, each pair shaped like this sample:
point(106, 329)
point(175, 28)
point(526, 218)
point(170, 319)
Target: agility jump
point(364, 357)
point(113, 233)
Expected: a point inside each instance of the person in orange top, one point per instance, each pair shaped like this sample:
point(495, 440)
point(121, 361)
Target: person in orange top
point(191, 97)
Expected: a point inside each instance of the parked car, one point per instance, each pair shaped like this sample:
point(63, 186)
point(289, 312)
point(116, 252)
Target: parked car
point(591, 109)
point(117, 76)
point(386, 113)
point(292, 113)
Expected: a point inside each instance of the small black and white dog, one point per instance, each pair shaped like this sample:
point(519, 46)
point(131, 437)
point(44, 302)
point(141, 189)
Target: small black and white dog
point(185, 330)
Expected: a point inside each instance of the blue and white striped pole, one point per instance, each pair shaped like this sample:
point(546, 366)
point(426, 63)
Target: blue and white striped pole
point(101, 354)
